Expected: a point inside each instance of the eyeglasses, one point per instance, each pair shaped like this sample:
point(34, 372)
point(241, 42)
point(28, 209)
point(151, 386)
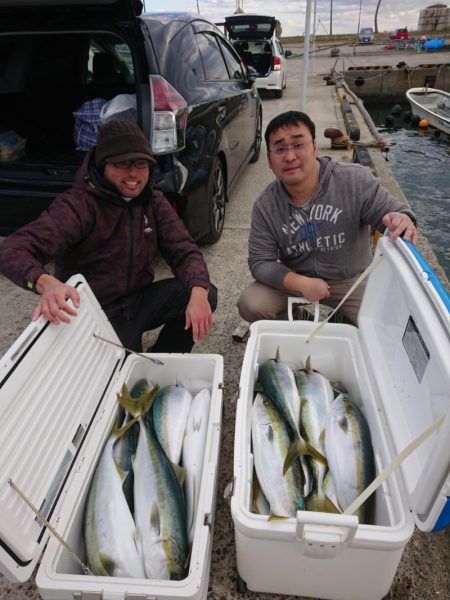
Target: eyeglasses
point(296, 148)
point(139, 163)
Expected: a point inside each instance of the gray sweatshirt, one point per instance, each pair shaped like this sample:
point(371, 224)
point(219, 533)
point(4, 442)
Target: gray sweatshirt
point(328, 237)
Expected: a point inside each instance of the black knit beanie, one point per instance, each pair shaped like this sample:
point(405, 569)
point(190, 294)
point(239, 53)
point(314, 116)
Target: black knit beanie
point(121, 140)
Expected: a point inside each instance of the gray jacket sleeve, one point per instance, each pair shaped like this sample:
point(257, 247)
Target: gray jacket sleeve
point(263, 250)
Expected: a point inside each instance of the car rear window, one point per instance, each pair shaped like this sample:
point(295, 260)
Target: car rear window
point(250, 28)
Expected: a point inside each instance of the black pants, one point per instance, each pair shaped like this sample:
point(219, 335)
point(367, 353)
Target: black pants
point(162, 303)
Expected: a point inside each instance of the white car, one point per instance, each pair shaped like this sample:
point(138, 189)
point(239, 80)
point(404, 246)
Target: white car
point(254, 39)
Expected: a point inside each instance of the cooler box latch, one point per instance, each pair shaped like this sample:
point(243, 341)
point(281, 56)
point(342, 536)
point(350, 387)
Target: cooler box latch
point(322, 535)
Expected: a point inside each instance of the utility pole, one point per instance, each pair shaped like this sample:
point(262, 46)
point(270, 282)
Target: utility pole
point(331, 17)
point(376, 16)
point(304, 81)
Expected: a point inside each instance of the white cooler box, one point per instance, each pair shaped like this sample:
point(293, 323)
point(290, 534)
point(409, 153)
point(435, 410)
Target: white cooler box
point(58, 388)
point(396, 367)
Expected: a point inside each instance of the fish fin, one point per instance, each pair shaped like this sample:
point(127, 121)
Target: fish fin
point(306, 448)
point(180, 473)
point(308, 367)
point(121, 431)
point(155, 522)
point(330, 507)
point(137, 407)
point(298, 447)
point(290, 457)
point(277, 354)
point(276, 518)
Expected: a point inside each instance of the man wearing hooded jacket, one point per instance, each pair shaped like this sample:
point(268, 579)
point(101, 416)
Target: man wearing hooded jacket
point(310, 227)
point(109, 227)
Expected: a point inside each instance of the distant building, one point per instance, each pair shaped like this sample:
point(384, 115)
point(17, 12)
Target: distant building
point(434, 18)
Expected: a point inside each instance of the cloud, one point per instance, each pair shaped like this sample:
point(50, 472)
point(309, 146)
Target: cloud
point(345, 14)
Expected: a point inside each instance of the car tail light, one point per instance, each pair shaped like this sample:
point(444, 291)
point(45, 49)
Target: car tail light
point(169, 117)
point(276, 63)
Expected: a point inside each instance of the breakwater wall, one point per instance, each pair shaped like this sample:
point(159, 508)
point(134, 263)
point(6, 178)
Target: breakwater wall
point(389, 83)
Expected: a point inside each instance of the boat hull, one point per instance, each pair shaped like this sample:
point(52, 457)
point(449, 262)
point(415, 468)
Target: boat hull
point(431, 104)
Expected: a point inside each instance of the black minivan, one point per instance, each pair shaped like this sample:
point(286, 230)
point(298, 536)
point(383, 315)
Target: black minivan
point(63, 62)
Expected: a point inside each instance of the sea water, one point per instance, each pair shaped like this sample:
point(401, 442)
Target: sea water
point(420, 162)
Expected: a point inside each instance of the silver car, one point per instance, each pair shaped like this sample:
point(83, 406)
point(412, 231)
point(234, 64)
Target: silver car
point(254, 38)
point(366, 35)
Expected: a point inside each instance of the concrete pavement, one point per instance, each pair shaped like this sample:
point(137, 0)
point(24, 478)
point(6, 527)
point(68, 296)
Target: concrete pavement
point(423, 571)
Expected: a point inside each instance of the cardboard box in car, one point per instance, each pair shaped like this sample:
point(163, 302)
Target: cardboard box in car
point(396, 367)
point(58, 388)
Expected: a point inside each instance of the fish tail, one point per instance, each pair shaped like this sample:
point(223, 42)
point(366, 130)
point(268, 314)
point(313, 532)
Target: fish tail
point(299, 446)
point(136, 406)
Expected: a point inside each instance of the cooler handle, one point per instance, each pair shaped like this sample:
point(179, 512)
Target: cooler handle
point(323, 534)
point(300, 300)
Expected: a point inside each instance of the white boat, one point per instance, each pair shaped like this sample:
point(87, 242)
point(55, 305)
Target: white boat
point(431, 104)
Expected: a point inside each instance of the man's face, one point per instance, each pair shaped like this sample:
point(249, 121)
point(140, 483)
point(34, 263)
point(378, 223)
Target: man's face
point(130, 181)
point(292, 154)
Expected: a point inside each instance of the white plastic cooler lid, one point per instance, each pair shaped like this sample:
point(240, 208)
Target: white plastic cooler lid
point(52, 382)
point(404, 324)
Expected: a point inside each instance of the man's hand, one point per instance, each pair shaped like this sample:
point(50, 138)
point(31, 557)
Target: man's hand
point(398, 224)
point(198, 313)
point(312, 289)
point(53, 304)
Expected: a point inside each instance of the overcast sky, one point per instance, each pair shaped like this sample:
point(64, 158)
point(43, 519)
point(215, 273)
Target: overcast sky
point(345, 13)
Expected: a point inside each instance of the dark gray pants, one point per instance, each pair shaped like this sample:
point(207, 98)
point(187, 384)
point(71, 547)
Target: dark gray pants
point(162, 303)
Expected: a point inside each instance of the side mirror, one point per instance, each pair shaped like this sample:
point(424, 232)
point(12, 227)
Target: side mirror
point(287, 53)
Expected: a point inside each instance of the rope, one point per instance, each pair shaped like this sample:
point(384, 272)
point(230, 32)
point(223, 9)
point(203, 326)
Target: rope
point(154, 360)
point(361, 278)
point(339, 140)
point(52, 530)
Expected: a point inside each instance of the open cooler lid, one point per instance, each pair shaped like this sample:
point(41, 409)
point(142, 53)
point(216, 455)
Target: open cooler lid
point(52, 383)
point(404, 324)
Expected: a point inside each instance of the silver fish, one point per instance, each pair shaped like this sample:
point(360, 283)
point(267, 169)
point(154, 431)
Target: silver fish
point(159, 509)
point(193, 454)
point(350, 456)
point(113, 543)
point(316, 397)
point(270, 442)
point(170, 411)
point(278, 382)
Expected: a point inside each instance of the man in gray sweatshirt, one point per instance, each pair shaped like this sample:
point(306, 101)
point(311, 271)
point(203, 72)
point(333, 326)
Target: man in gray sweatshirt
point(309, 232)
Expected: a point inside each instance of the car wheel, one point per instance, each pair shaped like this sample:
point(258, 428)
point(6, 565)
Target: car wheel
point(278, 93)
point(217, 197)
point(257, 142)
